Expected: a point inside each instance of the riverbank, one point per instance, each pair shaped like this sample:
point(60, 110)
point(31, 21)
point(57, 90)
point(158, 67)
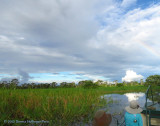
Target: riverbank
point(123, 89)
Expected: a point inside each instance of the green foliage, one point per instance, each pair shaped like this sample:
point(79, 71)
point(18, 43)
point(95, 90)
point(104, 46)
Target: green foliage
point(103, 85)
point(53, 84)
point(155, 92)
point(72, 84)
point(67, 85)
point(65, 105)
point(135, 83)
point(81, 83)
point(90, 84)
point(141, 82)
point(120, 84)
point(153, 80)
point(99, 82)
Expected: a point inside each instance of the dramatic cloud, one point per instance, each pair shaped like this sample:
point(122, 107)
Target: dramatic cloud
point(99, 38)
point(132, 76)
point(24, 76)
point(8, 79)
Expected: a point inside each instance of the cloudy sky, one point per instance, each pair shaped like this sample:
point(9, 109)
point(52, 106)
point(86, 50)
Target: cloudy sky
point(73, 40)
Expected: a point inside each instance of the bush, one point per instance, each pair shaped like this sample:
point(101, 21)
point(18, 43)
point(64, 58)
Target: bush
point(90, 84)
point(153, 80)
point(120, 85)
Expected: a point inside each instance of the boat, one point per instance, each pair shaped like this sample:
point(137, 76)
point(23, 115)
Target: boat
point(151, 110)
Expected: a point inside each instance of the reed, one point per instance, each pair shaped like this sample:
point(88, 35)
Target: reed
point(58, 106)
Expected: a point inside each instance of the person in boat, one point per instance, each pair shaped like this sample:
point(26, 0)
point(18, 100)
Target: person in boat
point(132, 116)
point(102, 119)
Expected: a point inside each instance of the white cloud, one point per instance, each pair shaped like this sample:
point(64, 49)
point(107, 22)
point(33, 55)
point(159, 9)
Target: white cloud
point(139, 97)
point(127, 3)
point(131, 76)
point(94, 77)
point(90, 36)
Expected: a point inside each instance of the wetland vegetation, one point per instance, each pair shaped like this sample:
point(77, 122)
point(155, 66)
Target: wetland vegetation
point(65, 104)
point(59, 105)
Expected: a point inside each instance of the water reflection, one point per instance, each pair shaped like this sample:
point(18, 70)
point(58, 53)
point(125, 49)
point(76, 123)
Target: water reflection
point(135, 96)
point(119, 102)
point(116, 103)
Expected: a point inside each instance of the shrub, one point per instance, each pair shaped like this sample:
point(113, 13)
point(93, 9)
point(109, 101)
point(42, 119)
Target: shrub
point(90, 84)
point(120, 85)
point(153, 80)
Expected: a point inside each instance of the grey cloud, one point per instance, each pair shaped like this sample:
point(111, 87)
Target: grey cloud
point(67, 36)
point(24, 76)
point(8, 79)
point(55, 73)
point(80, 73)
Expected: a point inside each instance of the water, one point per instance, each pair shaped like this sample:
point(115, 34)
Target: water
point(119, 102)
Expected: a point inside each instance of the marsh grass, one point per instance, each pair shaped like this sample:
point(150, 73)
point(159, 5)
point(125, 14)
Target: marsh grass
point(64, 105)
point(59, 106)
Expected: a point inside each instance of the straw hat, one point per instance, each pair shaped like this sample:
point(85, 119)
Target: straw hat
point(102, 119)
point(133, 108)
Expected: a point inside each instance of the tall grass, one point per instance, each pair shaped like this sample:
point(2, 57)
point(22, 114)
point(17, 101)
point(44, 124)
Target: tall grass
point(59, 106)
point(55, 105)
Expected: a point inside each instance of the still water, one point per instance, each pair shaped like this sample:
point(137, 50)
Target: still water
point(116, 104)
point(119, 102)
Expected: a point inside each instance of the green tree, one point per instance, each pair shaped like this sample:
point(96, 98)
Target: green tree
point(14, 83)
point(33, 85)
point(89, 84)
point(5, 84)
point(135, 83)
point(81, 83)
point(99, 82)
point(72, 84)
point(120, 85)
point(124, 83)
point(153, 80)
point(115, 82)
point(141, 82)
point(63, 84)
point(53, 84)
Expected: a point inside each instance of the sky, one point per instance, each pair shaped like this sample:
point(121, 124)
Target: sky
point(66, 40)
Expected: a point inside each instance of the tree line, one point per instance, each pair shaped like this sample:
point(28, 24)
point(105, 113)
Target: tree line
point(153, 80)
point(14, 83)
